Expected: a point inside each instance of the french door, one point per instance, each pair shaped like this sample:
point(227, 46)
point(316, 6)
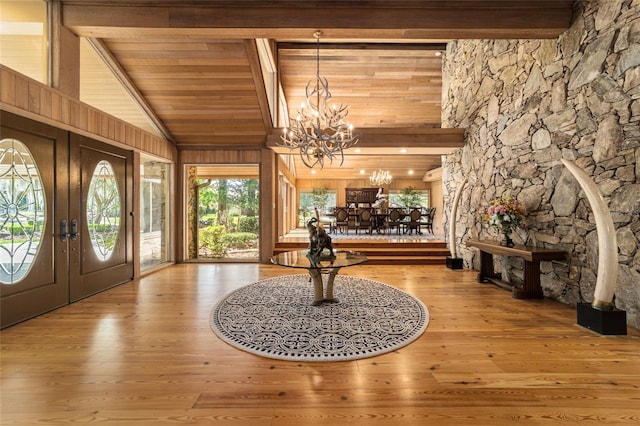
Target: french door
point(101, 217)
point(65, 222)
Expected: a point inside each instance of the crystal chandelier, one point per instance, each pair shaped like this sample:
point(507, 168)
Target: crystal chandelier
point(319, 132)
point(380, 177)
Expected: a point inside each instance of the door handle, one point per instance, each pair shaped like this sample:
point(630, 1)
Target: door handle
point(63, 230)
point(74, 229)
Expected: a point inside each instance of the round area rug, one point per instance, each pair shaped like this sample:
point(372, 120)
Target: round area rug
point(274, 318)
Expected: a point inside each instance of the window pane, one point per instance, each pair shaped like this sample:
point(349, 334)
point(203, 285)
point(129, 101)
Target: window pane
point(228, 218)
point(103, 210)
point(22, 211)
point(409, 197)
point(24, 37)
point(154, 213)
point(308, 200)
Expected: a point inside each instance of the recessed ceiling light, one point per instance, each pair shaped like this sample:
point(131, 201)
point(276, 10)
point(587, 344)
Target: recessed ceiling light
point(358, 150)
point(438, 53)
point(313, 172)
point(361, 171)
point(410, 172)
point(403, 151)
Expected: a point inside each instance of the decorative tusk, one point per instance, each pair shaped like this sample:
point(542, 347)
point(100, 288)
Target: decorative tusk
point(607, 240)
point(452, 219)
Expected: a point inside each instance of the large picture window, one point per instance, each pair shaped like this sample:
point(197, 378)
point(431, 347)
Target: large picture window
point(409, 197)
point(322, 199)
point(223, 209)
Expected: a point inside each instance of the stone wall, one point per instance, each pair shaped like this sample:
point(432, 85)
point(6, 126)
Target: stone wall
point(528, 103)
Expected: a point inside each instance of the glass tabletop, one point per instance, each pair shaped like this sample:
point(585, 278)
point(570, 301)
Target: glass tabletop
point(299, 259)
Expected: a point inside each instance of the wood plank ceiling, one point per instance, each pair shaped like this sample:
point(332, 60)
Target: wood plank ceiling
point(195, 64)
point(202, 90)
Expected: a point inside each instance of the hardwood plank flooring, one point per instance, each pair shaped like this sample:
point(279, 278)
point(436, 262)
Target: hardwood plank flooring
point(143, 353)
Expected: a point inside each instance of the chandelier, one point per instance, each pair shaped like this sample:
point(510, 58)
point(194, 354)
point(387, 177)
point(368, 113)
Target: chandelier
point(380, 177)
point(319, 132)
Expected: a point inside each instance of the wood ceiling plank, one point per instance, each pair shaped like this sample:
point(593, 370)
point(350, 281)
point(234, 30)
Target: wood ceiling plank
point(206, 89)
point(381, 87)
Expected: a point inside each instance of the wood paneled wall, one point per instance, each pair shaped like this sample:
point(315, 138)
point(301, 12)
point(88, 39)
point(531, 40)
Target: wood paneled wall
point(27, 97)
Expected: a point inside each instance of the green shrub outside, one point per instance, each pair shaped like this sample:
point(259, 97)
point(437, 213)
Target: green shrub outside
point(17, 230)
point(212, 239)
point(249, 224)
point(100, 227)
point(241, 240)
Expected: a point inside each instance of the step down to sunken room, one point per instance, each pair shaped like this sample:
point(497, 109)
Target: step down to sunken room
point(385, 253)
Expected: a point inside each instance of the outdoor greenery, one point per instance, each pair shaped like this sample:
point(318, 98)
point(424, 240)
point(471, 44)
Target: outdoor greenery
point(228, 216)
point(18, 229)
point(241, 240)
point(320, 198)
point(410, 197)
point(212, 240)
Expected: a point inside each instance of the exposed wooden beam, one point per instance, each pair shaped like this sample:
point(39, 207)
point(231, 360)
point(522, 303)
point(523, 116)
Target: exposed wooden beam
point(428, 140)
point(258, 80)
point(65, 55)
point(404, 20)
point(363, 46)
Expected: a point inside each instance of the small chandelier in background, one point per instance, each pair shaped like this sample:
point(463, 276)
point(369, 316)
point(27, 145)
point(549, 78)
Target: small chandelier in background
point(380, 178)
point(319, 132)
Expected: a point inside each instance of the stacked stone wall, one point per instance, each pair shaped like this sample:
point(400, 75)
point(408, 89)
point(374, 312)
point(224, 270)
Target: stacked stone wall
point(526, 104)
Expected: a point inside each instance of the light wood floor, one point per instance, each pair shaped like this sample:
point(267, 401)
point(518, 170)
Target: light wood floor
point(143, 353)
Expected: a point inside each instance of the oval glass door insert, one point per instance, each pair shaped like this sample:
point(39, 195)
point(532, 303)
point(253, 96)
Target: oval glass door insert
point(22, 211)
point(103, 210)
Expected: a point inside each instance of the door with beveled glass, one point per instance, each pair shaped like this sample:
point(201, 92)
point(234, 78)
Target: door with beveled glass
point(33, 204)
point(65, 217)
point(101, 217)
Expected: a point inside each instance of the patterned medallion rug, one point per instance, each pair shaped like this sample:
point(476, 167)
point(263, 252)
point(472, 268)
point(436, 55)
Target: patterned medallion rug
point(274, 318)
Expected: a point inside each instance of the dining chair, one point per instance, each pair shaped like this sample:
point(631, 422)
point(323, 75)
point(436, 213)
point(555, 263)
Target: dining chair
point(325, 220)
point(414, 221)
point(394, 220)
point(428, 223)
point(342, 219)
point(364, 220)
point(380, 219)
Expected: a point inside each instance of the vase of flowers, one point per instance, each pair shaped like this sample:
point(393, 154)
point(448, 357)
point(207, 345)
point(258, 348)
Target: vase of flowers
point(505, 214)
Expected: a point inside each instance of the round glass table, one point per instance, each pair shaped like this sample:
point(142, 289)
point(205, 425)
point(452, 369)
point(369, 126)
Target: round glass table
point(326, 263)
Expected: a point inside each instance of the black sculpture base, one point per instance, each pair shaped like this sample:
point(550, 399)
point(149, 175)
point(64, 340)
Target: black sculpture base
point(454, 262)
point(612, 322)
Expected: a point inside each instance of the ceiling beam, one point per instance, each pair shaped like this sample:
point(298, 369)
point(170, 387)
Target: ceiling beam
point(282, 20)
point(428, 140)
point(258, 80)
point(363, 46)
